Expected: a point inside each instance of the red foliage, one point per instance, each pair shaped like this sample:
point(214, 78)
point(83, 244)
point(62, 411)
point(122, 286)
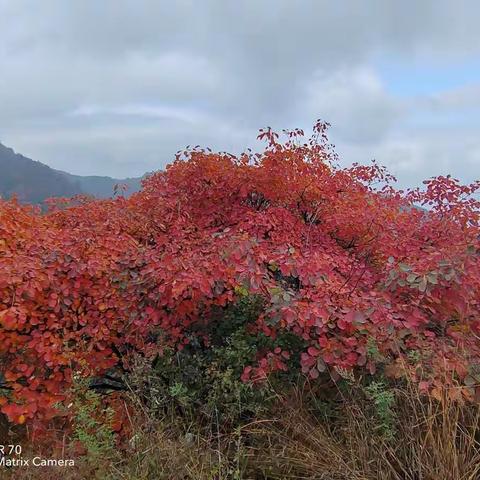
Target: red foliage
point(338, 261)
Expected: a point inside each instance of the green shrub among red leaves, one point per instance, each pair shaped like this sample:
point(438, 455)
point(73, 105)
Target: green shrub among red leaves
point(340, 258)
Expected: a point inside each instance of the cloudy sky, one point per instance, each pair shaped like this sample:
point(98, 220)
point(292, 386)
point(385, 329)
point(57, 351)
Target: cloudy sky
point(116, 87)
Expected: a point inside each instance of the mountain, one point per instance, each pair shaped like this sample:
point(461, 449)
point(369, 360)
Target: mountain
point(102, 187)
point(34, 181)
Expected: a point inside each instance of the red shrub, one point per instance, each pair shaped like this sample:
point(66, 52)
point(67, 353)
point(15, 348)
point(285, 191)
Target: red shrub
point(339, 263)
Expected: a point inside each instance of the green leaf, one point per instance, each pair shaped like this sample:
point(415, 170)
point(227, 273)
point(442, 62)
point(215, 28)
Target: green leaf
point(321, 365)
point(423, 284)
point(393, 274)
point(411, 278)
point(470, 381)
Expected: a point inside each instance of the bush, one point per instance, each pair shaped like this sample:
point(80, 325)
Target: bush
point(349, 275)
point(207, 379)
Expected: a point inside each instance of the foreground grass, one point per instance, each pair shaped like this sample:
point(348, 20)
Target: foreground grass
point(383, 432)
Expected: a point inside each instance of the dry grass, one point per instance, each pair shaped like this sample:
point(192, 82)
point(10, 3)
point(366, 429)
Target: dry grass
point(168, 451)
point(433, 440)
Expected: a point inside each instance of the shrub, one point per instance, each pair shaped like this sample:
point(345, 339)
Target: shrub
point(336, 256)
point(92, 424)
point(207, 379)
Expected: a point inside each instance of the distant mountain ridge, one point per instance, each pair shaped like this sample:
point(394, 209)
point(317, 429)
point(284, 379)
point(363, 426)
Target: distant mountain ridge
point(102, 187)
point(33, 181)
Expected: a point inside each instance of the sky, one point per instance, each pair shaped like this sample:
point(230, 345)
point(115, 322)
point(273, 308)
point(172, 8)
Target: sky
point(116, 87)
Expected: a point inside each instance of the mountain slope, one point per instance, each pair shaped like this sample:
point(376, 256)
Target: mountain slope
point(102, 186)
point(34, 181)
point(31, 181)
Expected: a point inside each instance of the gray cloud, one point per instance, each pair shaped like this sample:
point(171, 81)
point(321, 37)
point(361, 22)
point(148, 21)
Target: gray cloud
point(116, 87)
